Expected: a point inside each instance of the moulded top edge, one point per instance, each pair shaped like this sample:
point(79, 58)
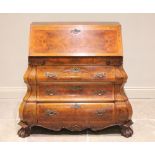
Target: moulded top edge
point(75, 23)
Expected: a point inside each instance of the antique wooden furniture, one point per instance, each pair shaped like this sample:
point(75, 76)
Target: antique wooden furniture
point(75, 78)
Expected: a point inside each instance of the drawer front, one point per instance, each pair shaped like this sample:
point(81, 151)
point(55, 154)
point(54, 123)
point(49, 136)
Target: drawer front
point(91, 61)
point(75, 40)
point(75, 116)
point(67, 92)
point(75, 73)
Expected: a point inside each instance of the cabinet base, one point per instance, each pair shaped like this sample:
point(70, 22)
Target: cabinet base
point(125, 129)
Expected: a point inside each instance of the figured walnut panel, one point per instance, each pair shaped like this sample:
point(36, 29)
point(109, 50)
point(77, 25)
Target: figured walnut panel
point(75, 40)
point(75, 73)
point(75, 92)
point(59, 115)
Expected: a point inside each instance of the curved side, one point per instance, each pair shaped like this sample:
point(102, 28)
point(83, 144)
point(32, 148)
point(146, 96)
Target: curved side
point(27, 109)
point(122, 104)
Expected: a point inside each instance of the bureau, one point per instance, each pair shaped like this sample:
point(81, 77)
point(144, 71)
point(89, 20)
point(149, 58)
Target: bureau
point(75, 79)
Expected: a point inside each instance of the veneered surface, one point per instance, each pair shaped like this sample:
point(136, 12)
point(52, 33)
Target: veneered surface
point(75, 116)
point(75, 40)
point(75, 92)
point(75, 73)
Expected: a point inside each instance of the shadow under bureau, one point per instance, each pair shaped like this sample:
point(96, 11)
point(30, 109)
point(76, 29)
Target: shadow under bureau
point(75, 79)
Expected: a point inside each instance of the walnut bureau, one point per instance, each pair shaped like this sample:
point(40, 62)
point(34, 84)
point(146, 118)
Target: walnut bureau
point(75, 79)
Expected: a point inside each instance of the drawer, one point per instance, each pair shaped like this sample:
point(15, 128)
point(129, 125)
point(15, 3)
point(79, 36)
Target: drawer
point(75, 40)
point(75, 73)
point(68, 92)
point(75, 115)
point(91, 61)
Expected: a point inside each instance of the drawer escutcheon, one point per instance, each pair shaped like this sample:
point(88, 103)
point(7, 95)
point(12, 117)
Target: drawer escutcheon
point(50, 92)
point(75, 88)
point(50, 112)
point(100, 75)
point(100, 92)
point(75, 69)
point(50, 75)
point(75, 31)
point(100, 113)
point(76, 106)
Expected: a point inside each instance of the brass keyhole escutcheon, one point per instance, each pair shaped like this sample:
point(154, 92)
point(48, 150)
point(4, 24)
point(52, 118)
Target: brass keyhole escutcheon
point(76, 106)
point(100, 75)
point(75, 69)
point(50, 75)
point(74, 88)
point(100, 92)
point(50, 92)
point(51, 112)
point(75, 31)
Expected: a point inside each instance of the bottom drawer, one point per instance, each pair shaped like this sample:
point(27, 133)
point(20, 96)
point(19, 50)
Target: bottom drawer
point(75, 116)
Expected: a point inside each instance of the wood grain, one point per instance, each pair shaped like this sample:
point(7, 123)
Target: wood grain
point(76, 92)
point(75, 73)
point(75, 40)
point(75, 79)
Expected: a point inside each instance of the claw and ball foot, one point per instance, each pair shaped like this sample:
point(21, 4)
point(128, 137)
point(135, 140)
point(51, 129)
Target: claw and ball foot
point(25, 130)
point(126, 130)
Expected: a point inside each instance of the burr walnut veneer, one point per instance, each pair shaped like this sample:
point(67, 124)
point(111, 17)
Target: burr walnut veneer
point(75, 78)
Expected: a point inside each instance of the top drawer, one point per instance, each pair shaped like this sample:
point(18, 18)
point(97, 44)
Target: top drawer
point(75, 73)
point(89, 39)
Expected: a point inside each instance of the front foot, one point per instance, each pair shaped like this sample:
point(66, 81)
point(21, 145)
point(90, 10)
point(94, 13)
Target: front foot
point(126, 130)
point(25, 130)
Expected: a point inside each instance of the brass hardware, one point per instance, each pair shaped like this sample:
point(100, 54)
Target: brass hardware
point(75, 88)
point(76, 106)
point(51, 112)
point(100, 92)
point(75, 31)
point(50, 92)
point(50, 75)
point(100, 75)
point(75, 69)
point(100, 112)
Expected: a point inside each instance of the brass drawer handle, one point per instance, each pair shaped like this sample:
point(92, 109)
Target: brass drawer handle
point(74, 88)
point(75, 69)
point(100, 75)
point(50, 112)
point(75, 31)
point(50, 92)
point(50, 75)
point(100, 92)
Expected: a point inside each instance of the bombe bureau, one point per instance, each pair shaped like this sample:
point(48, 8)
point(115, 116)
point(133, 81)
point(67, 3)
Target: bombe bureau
point(75, 79)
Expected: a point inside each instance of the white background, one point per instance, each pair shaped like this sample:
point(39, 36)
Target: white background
point(78, 6)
